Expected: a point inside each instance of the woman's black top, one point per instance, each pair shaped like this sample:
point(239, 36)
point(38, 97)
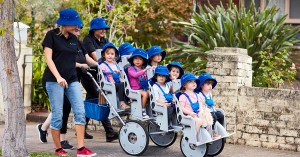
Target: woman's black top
point(64, 55)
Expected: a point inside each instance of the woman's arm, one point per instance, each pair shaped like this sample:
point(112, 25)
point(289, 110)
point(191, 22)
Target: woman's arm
point(48, 54)
point(90, 61)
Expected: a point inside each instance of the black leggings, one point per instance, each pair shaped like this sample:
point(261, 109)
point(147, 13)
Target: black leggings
point(66, 113)
point(92, 93)
point(217, 116)
point(121, 91)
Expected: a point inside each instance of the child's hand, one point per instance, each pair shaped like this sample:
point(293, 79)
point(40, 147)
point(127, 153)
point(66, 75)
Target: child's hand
point(148, 67)
point(193, 115)
point(116, 71)
point(167, 104)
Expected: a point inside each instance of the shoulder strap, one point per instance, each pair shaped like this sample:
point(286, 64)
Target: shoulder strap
point(160, 88)
point(188, 98)
point(108, 67)
point(204, 95)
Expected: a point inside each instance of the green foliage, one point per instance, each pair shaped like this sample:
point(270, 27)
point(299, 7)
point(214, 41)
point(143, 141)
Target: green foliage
point(264, 34)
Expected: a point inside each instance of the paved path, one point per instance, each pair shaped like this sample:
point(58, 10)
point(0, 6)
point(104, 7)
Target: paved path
point(113, 149)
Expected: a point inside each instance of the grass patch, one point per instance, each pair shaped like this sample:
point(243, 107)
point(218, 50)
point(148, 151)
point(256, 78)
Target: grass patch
point(37, 154)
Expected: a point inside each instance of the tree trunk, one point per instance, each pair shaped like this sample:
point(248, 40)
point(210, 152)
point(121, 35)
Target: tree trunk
point(13, 142)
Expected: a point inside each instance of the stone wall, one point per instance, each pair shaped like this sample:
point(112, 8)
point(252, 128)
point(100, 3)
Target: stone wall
point(269, 118)
point(261, 117)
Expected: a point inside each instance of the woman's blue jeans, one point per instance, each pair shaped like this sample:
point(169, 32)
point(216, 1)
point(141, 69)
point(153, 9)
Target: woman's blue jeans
point(56, 96)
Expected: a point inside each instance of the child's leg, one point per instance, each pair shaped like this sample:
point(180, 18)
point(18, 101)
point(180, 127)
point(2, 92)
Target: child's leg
point(215, 119)
point(46, 124)
point(220, 117)
point(121, 92)
point(198, 122)
point(171, 111)
point(145, 97)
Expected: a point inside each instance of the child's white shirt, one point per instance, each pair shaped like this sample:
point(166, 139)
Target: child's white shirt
point(158, 94)
point(202, 99)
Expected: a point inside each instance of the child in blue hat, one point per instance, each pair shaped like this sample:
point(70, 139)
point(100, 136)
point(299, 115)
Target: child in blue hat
point(175, 70)
point(125, 51)
point(112, 72)
point(162, 91)
point(190, 102)
point(205, 86)
point(155, 55)
point(137, 76)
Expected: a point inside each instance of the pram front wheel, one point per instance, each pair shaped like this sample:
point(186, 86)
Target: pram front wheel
point(160, 138)
point(216, 147)
point(133, 138)
point(191, 150)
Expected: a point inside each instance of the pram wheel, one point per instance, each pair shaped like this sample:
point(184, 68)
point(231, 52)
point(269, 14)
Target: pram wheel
point(216, 147)
point(162, 139)
point(133, 138)
point(191, 150)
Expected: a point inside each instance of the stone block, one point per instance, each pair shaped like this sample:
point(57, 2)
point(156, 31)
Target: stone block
point(272, 138)
point(241, 127)
point(263, 137)
point(271, 116)
point(297, 140)
point(241, 141)
point(273, 131)
point(238, 134)
point(263, 107)
point(253, 129)
point(270, 145)
point(288, 147)
point(290, 140)
point(278, 124)
point(253, 143)
point(229, 92)
point(229, 65)
point(260, 122)
point(280, 140)
point(287, 132)
point(279, 108)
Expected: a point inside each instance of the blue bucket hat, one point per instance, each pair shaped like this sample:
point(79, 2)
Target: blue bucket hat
point(154, 50)
point(109, 45)
point(138, 52)
point(202, 78)
point(178, 65)
point(125, 48)
point(98, 23)
point(161, 70)
point(68, 17)
point(188, 77)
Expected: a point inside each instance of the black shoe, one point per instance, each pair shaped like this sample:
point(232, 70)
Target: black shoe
point(112, 136)
point(42, 134)
point(65, 145)
point(87, 136)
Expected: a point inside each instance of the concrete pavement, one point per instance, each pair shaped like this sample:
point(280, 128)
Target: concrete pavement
point(113, 149)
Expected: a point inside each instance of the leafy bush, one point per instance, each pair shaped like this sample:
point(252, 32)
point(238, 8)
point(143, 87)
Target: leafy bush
point(264, 34)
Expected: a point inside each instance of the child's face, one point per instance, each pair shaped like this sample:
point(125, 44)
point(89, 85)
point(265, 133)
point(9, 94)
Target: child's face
point(110, 55)
point(161, 79)
point(156, 58)
point(138, 61)
point(174, 73)
point(207, 86)
point(190, 85)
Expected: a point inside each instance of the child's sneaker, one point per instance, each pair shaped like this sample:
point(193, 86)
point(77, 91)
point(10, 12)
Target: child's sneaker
point(42, 134)
point(61, 152)
point(216, 136)
point(144, 114)
point(85, 152)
